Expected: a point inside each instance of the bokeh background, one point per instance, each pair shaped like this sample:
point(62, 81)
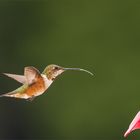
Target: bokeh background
point(101, 36)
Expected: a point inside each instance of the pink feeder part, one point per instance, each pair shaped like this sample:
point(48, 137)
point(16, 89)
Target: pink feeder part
point(135, 124)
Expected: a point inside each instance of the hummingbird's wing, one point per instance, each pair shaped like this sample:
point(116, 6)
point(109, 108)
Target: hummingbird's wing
point(31, 74)
point(19, 78)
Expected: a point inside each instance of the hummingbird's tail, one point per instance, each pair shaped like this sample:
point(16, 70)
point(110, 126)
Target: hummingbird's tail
point(15, 95)
point(2, 95)
point(9, 94)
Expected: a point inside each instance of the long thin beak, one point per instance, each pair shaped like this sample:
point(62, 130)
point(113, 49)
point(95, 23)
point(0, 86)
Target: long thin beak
point(78, 69)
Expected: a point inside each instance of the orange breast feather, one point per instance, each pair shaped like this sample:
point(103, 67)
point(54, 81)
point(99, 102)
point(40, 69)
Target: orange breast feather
point(36, 87)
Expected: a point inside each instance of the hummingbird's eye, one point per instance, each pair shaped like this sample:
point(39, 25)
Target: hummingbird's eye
point(56, 68)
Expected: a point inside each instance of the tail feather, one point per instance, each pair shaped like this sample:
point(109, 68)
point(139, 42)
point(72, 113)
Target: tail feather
point(15, 95)
point(2, 95)
point(9, 94)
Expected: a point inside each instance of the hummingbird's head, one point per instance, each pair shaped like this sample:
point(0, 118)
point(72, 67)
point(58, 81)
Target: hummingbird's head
point(52, 71)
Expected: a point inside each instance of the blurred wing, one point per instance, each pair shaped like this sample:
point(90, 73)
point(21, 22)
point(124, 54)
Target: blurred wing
point(19, 78)
point(31, 74)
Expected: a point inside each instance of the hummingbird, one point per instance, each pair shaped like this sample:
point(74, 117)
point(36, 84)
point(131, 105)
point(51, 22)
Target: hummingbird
point(35, 83)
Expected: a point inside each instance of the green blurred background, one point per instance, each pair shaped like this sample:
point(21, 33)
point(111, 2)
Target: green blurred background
point(101, 36)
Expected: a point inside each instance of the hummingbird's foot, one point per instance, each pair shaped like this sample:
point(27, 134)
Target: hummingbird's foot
point(31, 98)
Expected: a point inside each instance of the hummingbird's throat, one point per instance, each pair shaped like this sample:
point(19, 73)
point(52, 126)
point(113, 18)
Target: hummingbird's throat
point(56, 73)
point(53, 74)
